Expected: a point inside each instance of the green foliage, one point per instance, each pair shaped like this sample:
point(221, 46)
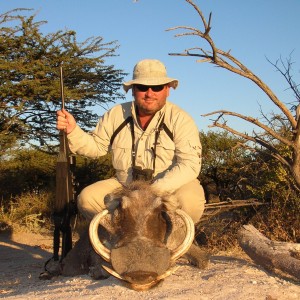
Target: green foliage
point(7, 141)
point(240, 174)
point(27, 185)
point(27, 171)
point(272, 183)
point(30, 84)
point(28, 210)
point(89, 171)
point(225, 164)
point(33, 171)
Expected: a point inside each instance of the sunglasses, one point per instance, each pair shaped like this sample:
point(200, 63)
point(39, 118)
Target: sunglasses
point(145, 88)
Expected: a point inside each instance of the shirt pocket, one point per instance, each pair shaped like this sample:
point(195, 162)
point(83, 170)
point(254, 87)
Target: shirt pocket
point(165, 152)
point(122, 155)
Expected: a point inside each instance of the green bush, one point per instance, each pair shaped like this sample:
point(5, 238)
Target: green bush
point(27, 186)
point(29, 210)
point(27, 171)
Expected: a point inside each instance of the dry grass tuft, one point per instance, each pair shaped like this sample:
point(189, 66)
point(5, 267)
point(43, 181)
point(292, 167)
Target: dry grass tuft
point(30, 211)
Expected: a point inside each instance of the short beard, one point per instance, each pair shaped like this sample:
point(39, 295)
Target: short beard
point(144, 112)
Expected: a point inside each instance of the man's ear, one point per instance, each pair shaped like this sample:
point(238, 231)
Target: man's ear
point(168, 90)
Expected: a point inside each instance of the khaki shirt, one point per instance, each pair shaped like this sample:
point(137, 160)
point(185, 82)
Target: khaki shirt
point(177, 162)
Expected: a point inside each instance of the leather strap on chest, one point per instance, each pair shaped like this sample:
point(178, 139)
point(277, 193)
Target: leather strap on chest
point(117, 131)
point(129, 120)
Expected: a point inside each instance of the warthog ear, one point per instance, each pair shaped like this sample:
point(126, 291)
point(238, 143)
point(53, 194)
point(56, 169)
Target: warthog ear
point(157, 202)
point(170, 202)
point(125, 202)
point(111, 202)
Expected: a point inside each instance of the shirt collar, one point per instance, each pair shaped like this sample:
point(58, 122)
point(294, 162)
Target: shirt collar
point(154, 122)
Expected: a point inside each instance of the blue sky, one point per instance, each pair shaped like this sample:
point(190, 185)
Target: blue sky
point(252, 29)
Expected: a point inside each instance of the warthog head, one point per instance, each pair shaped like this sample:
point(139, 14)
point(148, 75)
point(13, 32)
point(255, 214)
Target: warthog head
point(140, 250)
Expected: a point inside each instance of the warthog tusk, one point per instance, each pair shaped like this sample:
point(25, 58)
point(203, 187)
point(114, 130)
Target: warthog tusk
point(188, 240)
point(94, 238)
point(168, 273)
point(112, 272)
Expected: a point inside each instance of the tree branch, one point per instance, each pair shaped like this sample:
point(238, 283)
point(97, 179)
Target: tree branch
point(227, 61)
point(253, 121)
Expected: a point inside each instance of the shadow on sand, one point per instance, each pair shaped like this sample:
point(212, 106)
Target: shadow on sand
point(22, 259)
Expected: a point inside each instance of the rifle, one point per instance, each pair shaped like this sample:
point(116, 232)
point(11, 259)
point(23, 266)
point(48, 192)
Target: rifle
point(65, 201)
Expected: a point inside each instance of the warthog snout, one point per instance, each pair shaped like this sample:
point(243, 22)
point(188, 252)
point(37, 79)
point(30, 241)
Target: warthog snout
point(140, 277)
point(141, 258)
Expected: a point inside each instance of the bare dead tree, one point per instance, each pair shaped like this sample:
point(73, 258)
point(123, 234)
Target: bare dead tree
point(225, 60)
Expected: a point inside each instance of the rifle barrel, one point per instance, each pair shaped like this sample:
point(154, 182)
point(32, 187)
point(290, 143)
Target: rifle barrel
point(62, 88)
point(63, 176)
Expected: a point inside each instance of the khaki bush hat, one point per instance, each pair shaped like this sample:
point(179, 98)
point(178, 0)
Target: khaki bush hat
point(150, 72)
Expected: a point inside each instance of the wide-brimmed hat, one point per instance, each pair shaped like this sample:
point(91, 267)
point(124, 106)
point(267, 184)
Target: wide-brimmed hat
point(150, 72)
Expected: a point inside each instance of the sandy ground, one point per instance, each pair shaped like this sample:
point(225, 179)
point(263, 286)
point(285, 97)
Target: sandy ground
point(228, 276)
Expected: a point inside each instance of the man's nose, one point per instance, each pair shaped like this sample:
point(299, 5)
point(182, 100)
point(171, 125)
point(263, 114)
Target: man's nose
point(149, 92)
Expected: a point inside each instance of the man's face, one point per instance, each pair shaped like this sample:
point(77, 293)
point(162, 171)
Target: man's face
point(149, 99)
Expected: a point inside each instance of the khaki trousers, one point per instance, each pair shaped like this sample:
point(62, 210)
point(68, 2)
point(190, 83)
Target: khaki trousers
point(91, 199)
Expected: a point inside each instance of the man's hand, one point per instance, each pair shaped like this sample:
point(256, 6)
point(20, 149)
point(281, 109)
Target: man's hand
point(65, 121)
